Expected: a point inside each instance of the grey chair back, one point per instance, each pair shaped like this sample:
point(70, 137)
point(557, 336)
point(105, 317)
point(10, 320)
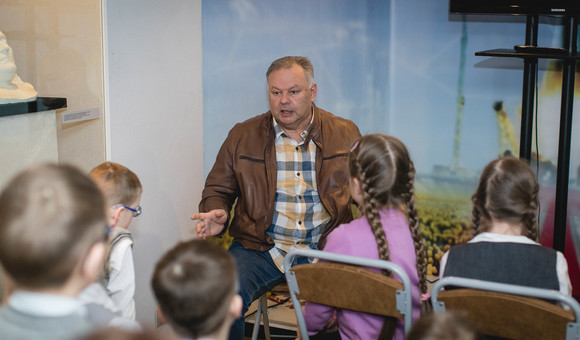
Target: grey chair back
point(509, 311)
point(343, 282)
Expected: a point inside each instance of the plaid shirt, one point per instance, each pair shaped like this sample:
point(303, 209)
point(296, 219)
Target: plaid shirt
point(299, 215)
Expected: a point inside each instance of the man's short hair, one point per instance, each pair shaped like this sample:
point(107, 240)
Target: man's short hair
point(119, 184)
point(288, 62)
point(50, 216)
point(194, 283)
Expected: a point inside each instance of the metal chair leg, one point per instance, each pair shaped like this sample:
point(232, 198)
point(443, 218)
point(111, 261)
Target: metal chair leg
point(265, 320)
point(257, 322)
point(262, 314)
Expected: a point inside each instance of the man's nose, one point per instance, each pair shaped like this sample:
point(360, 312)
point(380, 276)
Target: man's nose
point(284, 98)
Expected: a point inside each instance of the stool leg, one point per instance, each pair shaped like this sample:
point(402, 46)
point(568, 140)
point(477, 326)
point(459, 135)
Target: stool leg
point(257, 321)
point(266, 322)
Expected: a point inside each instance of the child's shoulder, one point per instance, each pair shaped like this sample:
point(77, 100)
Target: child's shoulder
point(119, 235)
point(351, 232)
point(348, 227)
point(119, 251)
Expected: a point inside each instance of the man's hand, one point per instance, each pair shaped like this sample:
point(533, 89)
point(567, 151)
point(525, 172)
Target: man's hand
point(210, 223)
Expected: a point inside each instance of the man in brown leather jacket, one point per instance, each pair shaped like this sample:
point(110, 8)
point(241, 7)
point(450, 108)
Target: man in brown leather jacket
point(288, 171)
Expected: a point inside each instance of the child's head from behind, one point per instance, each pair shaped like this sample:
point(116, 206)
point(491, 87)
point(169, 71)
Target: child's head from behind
point(507, 192)
point(195, 286)
point(122, 190)
point(51, 217)
point(382, 166)
point(451, 325)
point(382, 175)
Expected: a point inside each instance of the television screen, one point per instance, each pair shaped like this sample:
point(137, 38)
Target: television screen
point(522, 7)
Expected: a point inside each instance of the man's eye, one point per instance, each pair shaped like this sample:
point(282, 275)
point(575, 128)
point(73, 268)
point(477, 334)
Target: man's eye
point(276, 93)
point(293, 92)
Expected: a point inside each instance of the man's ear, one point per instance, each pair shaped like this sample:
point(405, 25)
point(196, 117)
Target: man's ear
point(236, 306)
point(92, 266)
point(313, 90)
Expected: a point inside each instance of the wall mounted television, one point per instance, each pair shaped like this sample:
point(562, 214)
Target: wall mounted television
point(516, 7)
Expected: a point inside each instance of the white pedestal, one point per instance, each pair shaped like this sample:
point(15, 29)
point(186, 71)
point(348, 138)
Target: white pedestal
point(26, 139)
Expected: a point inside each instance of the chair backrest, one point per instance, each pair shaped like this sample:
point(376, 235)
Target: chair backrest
point(509, 311)
point(342, 283)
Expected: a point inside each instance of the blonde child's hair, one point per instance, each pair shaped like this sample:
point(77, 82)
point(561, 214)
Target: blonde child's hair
point(119, 184)
point(50, 216)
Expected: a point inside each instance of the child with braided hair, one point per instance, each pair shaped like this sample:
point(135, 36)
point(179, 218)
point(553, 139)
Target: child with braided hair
point(381, 182)
point(505, 210)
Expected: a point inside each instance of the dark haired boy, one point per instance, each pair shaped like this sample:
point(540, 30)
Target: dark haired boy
point(195, 286)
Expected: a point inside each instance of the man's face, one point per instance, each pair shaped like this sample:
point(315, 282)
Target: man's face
point(291, 98)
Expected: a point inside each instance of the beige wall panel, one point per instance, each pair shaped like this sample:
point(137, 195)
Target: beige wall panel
point(58, 49)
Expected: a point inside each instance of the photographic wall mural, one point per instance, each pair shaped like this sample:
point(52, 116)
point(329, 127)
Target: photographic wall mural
point(406, 68)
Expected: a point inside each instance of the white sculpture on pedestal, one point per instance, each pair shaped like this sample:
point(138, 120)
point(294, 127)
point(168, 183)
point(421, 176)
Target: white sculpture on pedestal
point(12, 88)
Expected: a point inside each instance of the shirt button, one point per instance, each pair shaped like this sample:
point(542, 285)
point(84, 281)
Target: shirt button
point(299, 197)
point(297, 148)
point(299, 222)
point(298, 174)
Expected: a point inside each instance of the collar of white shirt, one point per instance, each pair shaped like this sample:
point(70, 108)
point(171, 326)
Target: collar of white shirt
point(39, 304)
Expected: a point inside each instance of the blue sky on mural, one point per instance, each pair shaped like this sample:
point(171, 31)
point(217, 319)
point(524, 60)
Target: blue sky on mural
point(390, 66)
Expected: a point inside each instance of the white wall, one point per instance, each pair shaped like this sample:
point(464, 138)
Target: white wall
point(153, 101)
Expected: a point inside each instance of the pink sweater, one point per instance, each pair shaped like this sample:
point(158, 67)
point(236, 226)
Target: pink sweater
point(357, 239)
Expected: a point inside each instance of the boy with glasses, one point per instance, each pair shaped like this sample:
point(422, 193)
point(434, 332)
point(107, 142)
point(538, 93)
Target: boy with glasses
point(122, 190)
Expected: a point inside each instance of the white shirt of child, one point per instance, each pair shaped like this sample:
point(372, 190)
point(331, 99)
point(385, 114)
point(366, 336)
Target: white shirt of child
point(121, 286)
point(118, 296)
point(45, 305)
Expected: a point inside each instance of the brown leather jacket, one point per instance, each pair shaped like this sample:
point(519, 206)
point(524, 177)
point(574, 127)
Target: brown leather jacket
point(245, 169)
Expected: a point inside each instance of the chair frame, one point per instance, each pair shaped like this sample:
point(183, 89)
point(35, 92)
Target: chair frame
point(403, 296)
point(262, 315)
point(526, 297)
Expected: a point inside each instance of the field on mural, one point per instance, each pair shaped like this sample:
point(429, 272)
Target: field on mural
point(444, 208)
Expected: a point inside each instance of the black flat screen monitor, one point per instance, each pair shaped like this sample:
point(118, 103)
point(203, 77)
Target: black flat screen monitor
point(517, 7)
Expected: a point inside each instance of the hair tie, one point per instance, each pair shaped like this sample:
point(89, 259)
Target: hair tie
point(425, 296)
point(355, 145)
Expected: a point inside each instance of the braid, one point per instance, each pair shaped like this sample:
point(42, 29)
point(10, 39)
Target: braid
point(475, 217)
point(415, 230)
point(371, 211)
point(530, 218)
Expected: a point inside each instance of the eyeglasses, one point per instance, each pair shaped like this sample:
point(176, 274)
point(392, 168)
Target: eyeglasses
point(136, 212)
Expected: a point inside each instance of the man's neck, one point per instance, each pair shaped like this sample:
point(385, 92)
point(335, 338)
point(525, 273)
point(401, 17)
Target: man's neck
point(294, 134)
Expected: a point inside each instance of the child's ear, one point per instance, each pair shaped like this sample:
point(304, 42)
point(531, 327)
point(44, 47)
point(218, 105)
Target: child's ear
point(161, 318)
point(236, 306)
point(116, 215)
point(356, 189)
point(92, 267)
